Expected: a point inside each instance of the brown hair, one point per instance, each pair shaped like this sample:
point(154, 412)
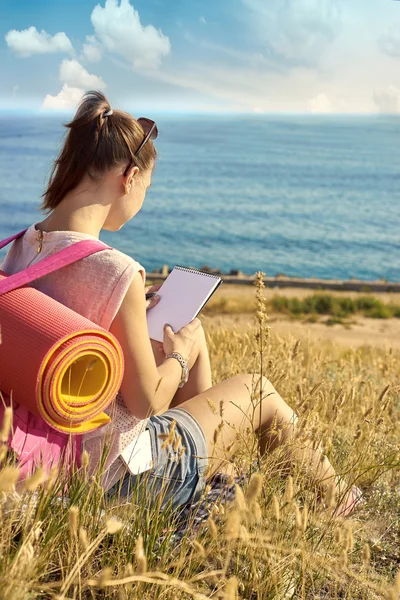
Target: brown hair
point(94, 144)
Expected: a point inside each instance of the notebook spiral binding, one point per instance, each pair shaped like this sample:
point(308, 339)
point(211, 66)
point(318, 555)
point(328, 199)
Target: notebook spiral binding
point(197, 271)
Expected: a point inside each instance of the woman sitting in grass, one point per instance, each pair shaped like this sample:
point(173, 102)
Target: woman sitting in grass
point(99, 181)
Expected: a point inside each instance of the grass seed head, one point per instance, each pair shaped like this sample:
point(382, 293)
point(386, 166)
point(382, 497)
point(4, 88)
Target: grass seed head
point(199, 548)
point(113, 526)
point(212, 406)
point(330, 495)
point(230, 591)
point(212, 528)
point(85, 459)
point(33, 482)
point(73, 513)
point(221, 409)
point(257, 512)
point(366, 555)
point(104, 577)
point(240, 501)
point(255, 487)
point(3, 453)
point(8, 479)
point(141, 561)
point(297, 516)
point(177, 443)
point(343, 558)
point(289, 492)
point(338, 536)
point(83, 539)
point(6, 425)
point(275, 504)
point(217, 432)
point(51, 479)
point(232, 527)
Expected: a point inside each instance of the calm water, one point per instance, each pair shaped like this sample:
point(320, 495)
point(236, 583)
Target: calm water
point(304, 196)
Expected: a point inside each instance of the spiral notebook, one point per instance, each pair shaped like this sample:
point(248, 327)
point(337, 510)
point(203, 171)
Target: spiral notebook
point(182, 296)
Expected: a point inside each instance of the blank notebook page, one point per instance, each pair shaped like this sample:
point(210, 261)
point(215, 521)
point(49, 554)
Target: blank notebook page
point(182, 296)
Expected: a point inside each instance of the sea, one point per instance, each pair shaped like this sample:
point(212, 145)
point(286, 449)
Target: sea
point(304, 196)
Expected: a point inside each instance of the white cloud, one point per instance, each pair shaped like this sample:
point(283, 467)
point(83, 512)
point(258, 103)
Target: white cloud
point(75, 75)
point(30, 41)
point(68, 98)
point(118, 28)
point(91, 49)
point(203, 20)
point(388, 101)
point(389, 43)
point(298, 31)
point(320, 104)
point(76, 80)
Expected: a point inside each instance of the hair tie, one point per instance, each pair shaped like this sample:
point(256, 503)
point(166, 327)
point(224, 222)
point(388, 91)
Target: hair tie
point(108, 114)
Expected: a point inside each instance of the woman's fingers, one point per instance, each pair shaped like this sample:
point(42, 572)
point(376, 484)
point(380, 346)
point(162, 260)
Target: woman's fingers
point(193, 325)
point(152, 302)
point(153, 288)
point(168, 332)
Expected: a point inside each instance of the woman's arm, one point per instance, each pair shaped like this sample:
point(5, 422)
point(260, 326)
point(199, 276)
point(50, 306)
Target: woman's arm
point(147, 389)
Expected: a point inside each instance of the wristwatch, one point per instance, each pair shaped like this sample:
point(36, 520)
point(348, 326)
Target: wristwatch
point(183, 363)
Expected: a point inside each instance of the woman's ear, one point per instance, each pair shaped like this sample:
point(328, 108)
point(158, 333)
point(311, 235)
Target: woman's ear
point(129, 178)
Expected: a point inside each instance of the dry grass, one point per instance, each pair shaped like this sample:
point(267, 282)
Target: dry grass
point(276, 541)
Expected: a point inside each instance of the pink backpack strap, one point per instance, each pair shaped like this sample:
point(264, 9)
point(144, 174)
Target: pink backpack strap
point(33, 440)
point(64, 257)
point(11, 239)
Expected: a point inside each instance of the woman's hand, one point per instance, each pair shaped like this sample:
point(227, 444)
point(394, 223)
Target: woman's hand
point(184, 341)
point(155, 299)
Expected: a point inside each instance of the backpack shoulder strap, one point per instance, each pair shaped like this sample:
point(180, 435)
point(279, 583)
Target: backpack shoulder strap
point(11, 239)
point(64, 257)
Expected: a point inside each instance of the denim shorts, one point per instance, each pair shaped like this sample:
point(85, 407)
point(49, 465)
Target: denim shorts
point(177, 475)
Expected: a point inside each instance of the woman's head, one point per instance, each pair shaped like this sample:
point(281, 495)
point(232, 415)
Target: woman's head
point(100, 141)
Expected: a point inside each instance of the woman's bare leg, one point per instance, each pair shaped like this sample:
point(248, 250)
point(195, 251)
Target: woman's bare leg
point(275, 423)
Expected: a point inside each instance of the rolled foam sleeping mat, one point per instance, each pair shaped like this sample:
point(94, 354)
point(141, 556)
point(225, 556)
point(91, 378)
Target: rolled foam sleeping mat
point(55, 362)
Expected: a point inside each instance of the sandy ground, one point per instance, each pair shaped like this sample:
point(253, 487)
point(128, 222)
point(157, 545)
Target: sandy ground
point(384, 333)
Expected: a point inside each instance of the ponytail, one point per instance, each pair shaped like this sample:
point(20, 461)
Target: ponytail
point(98, 139)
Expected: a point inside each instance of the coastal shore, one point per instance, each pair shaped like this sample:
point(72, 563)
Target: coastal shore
point(353, 332)
point(284, 282)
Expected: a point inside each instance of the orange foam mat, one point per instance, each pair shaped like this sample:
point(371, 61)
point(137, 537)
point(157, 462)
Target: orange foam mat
point(59, 365)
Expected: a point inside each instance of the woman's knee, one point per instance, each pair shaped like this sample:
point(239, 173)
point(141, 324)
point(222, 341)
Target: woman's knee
point(254, 382)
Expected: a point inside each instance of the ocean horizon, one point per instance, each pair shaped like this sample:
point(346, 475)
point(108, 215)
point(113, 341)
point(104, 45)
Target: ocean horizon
point(303, 196)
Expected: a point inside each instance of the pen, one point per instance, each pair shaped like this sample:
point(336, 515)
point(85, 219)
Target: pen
point(151, 295)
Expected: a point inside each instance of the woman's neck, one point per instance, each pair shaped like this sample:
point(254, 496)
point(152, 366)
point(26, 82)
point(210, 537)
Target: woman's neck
point(83, 210)
point(72, 222)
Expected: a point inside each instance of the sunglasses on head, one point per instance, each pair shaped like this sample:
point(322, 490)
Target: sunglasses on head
point(150, 133)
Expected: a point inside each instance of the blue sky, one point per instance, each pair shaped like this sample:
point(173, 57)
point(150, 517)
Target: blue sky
point(261, 56)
